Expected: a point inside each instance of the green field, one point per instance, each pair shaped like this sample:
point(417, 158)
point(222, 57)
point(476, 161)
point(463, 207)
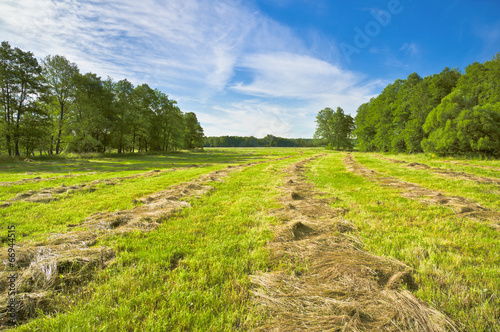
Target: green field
point(253, 239)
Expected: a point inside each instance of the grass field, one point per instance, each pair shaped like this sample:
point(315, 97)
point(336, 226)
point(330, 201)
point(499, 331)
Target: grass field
point(247, 239)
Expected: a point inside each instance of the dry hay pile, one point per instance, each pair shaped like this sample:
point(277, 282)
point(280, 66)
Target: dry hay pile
point(331, 284)
point(459, 205)
point(46, 270)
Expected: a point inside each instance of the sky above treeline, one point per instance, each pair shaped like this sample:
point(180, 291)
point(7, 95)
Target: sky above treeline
point(258, 67)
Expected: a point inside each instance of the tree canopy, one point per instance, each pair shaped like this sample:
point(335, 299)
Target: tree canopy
point(447, 113)
point(51, 107)
point(334, 128)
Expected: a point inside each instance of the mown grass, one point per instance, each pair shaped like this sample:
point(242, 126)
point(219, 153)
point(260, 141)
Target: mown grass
point(456, 260)
point(454, 164)
point(189, 274)
point(12, 169)
point(484, 194)
point(33, 220)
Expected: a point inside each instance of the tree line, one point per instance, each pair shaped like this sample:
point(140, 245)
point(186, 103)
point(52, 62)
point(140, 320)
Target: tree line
point(251, 141)
point(51, 107)
point(448, 113)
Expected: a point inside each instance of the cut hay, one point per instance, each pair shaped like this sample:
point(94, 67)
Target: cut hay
point(449, 173)
point(64, 263)
point(459, 205)
point(45, 271)
point(324, 281)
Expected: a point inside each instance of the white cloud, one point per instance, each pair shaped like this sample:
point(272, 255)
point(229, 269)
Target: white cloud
point(193, 41)
point(293, 76)
point(192, 49)
point(247, 118)
point(410, 49)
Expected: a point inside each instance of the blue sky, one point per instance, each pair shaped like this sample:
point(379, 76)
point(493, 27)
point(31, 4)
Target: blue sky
point(258, 67)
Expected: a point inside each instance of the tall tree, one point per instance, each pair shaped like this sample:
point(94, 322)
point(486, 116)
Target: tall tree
point(59, 74)
point(21, 82)
point(125, 110)
point(173, 127)
point(193, 137)
point(141, 124)
point(335, 128)
point(92, 117)
point(8, 82)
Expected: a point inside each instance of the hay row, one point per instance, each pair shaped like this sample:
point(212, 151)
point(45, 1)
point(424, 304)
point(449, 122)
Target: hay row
point(40, 179)
point(446, 172)
point(66, 262)
point(47, 195)
point(323, 280)
point(459, 205)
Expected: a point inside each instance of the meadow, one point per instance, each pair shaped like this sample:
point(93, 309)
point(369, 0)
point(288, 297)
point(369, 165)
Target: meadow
point(252, 239)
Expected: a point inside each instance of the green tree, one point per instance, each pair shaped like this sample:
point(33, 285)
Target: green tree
point(59, 74)
point(334, 128)
point(478, 130)
point(124, 112)
point(93, 115)
point(36, 130)
point(441, 124)
point(20, 83)
point(193, 136)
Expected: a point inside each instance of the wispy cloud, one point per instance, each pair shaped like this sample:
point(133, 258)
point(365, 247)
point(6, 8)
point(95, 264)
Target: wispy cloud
point(248, 117)
point(194, 51)
point(293, 76)
point(410, 49)
point(196, 41)
point(301, 77)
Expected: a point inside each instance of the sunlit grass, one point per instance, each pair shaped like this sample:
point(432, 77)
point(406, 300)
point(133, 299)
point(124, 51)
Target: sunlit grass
point(192, 272)
point(483, 193)
point(456, 260)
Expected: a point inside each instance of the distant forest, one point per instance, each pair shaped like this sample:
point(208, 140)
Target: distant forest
point(51, 107)
point(450, 113)
point(250, 141)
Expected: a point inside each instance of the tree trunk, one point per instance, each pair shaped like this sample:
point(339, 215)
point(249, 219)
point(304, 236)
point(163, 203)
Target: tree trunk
point(16, 134)
point(51, 151)
point(58, 141)
point(8, 145)
point(133, 142)
point(9, 124)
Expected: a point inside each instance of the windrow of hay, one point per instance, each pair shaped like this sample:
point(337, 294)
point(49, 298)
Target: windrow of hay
point(459, 205)
point(466, 164)
point(40, 179)
point(66, 262)
point(447, 173)
point(47, 195)
point(322, 279)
